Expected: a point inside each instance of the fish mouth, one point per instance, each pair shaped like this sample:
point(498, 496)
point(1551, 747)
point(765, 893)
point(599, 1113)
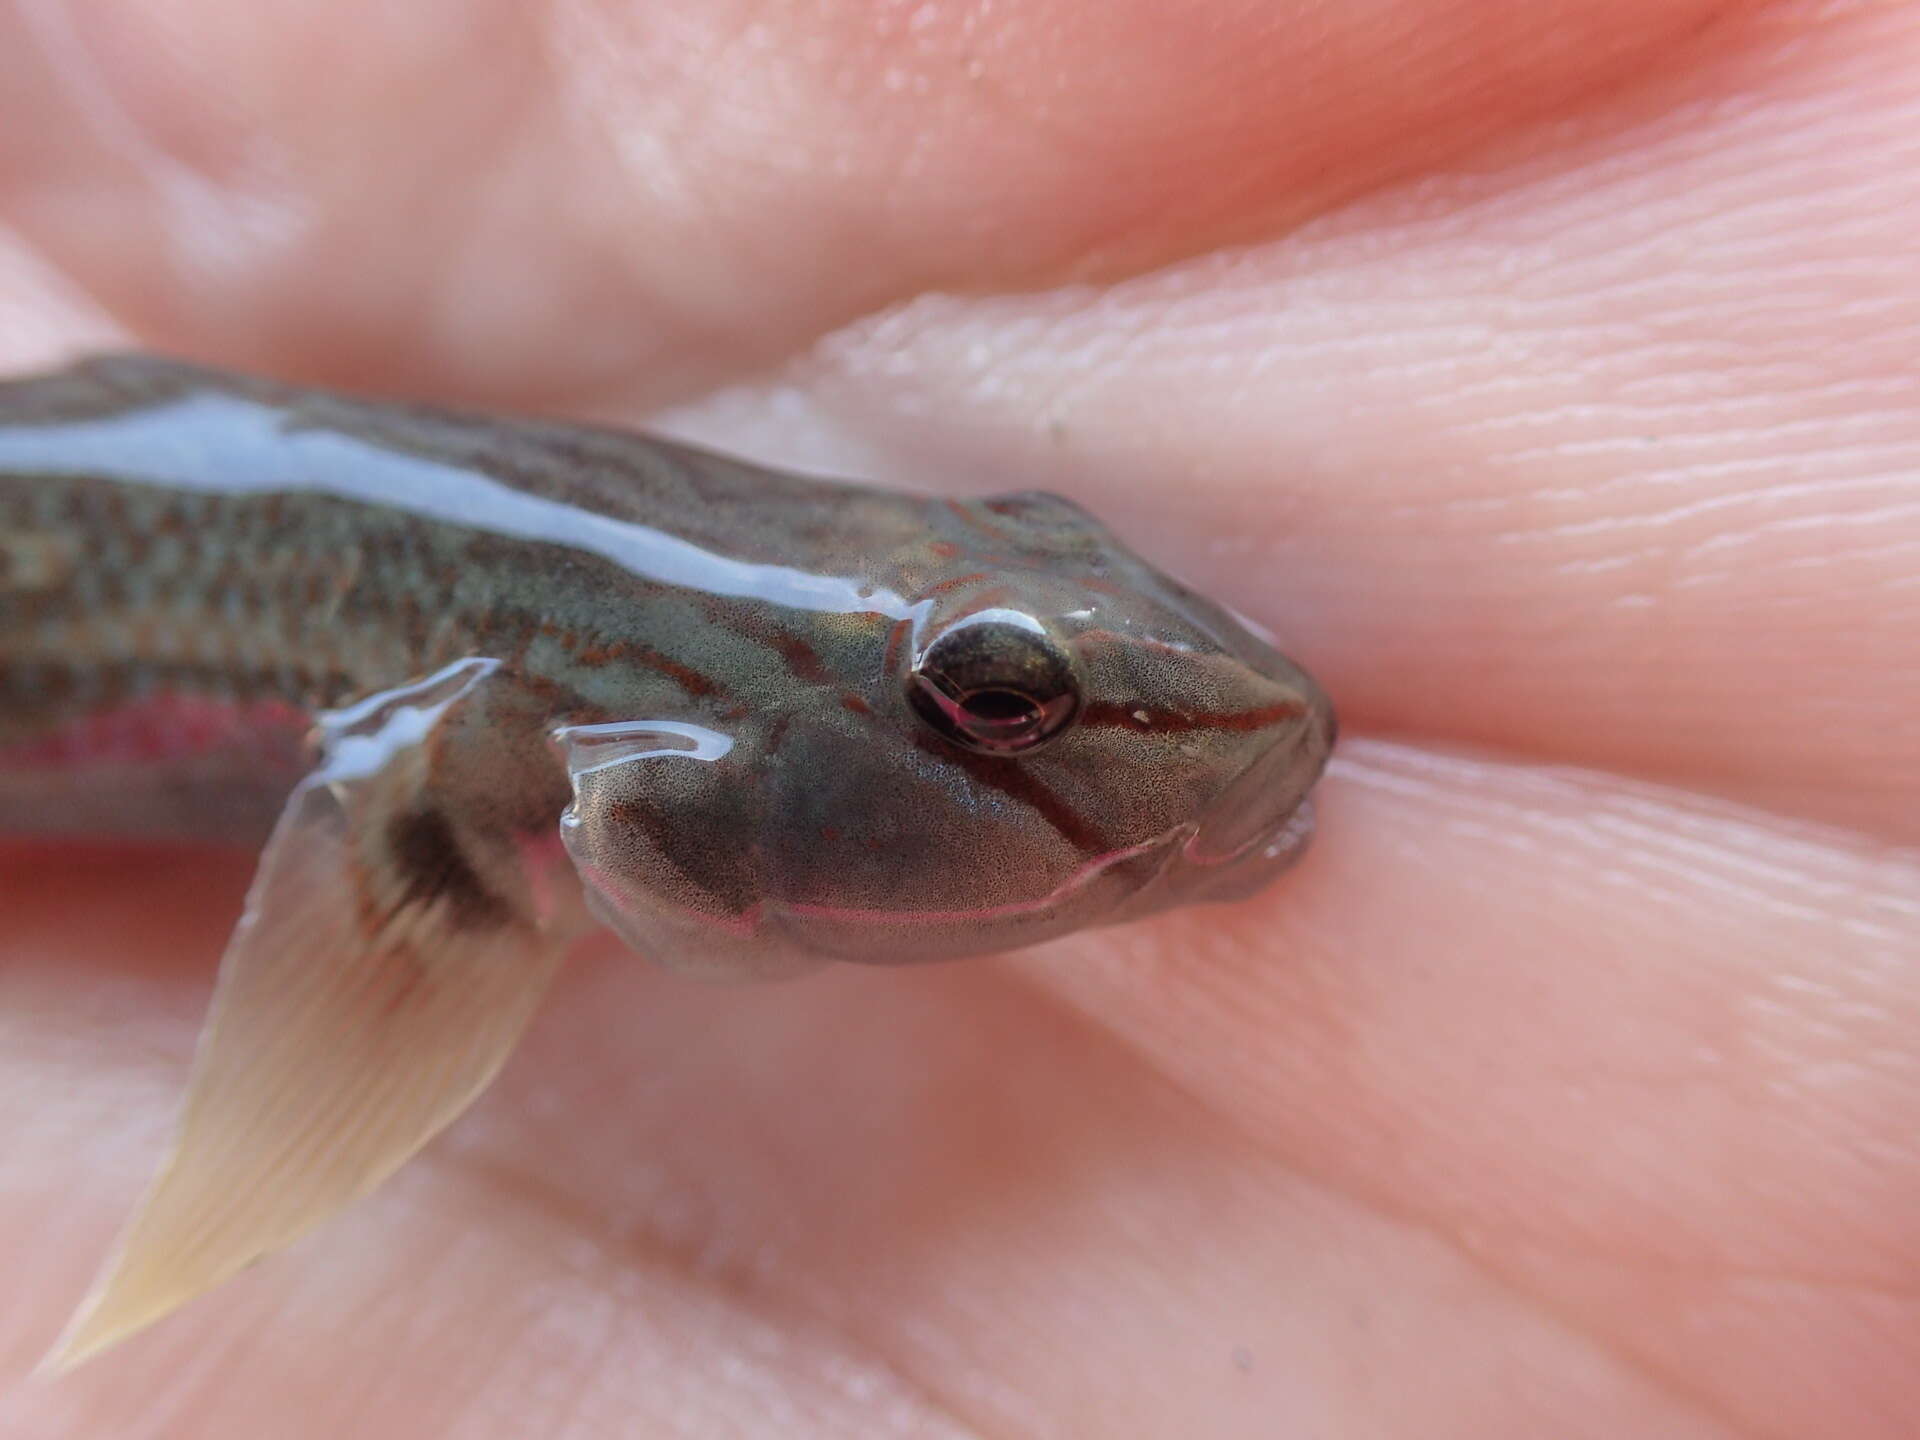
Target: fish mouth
point(1269, 842)
point(1256, 807)
point(1258, 827)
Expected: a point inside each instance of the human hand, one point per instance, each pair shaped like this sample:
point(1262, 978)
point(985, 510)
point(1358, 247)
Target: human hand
point(1544, 373)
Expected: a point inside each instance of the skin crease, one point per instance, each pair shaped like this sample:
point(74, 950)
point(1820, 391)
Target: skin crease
point(1556, 402)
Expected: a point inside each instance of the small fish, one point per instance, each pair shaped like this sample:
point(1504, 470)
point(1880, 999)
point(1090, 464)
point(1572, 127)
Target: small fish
point(475, 681)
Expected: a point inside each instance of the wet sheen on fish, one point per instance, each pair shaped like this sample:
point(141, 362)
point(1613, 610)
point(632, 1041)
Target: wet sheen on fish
point(478, 682)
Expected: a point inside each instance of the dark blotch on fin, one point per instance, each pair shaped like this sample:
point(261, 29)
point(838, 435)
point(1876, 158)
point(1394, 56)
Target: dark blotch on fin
point(427, 854)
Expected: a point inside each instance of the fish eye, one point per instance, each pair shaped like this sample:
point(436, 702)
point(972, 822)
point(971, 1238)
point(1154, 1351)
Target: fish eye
point(995, 682)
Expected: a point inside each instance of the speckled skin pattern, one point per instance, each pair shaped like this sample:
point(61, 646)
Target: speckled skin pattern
point(193, 565)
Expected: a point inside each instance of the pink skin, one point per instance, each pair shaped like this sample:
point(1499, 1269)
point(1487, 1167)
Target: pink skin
point(1545, 372)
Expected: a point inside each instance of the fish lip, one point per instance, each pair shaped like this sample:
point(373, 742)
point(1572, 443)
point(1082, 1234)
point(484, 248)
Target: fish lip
point(1195, 854)
point(1252, 809)
point(1230, 876)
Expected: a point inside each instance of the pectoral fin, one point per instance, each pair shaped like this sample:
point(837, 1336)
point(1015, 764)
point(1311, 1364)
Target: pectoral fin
point(382, 973)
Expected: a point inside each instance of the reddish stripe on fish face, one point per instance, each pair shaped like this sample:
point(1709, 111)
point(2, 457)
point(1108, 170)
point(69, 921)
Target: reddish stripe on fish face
point(973, 577)
point(1148, 721)
point(1017, 783)
point(802, 659)
point(977, 521)
point(797, 652)
point(630, 651)
point(896, 640)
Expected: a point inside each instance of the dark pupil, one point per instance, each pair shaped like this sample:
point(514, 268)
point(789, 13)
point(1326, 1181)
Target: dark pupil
point(1000, 707)
point(994, 687)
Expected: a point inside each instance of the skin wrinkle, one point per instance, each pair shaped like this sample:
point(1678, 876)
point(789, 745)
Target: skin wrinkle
point(1455, 1234)
point(1893, 1414)
point(988, 386)
point(1661, 820)
point(1500, 43)
point(558, 1208)
point(1503, 834)
point(49, 24)
point(568, 1211)
point(1454, 1237)
point(756, 1284)
point(1662, 1375)
point(1654, 431)
point(1666, 1378)
point(1290, 213)
point(1375, 1204)
point(1077, 1022)
point(196, 199)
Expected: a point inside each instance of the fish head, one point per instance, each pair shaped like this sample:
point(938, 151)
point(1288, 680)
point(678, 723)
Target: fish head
point(1063, 737)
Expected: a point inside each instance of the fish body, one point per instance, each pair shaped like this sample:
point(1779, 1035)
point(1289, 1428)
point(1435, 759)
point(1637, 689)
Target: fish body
point(464, 671)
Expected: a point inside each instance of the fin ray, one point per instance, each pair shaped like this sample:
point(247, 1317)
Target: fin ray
point(348, 1029)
